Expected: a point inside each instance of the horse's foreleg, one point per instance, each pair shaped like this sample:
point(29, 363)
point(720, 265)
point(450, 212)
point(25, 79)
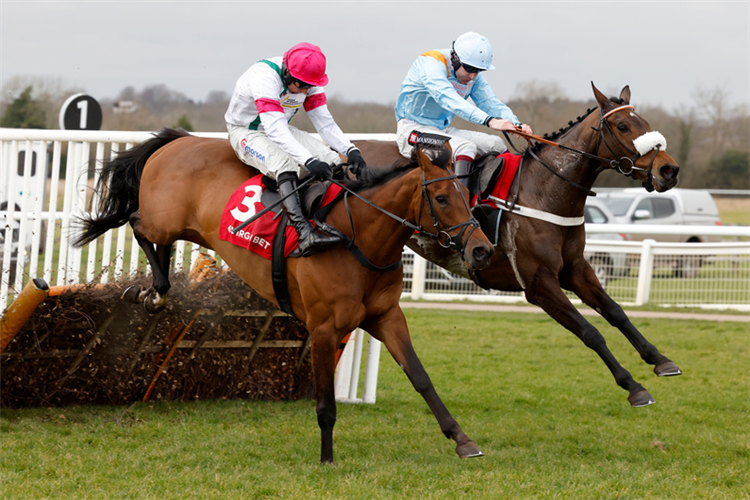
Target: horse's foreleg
point(393, 332)
point(323, 355)
point(544, 290)
point(158, 258)
point(582, 281)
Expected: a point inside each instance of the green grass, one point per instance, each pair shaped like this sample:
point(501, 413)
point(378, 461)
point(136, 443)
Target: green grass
point(543, 408)
point(716, 283)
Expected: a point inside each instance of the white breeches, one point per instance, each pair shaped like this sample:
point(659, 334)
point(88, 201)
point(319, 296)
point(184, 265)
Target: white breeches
point(463, 142)
point(257, 150)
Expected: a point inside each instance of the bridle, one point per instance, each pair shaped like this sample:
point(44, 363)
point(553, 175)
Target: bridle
point(455, 243)
point(624, 165)
point(629, 161)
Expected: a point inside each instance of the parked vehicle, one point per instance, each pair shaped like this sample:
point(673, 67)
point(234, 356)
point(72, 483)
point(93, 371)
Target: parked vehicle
point(606, 265)
point(9, 229)
point(13, 166)
point(689, 207)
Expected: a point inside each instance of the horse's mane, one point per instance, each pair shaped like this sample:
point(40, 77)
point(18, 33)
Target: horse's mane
point(556, 135)
point(439, 156)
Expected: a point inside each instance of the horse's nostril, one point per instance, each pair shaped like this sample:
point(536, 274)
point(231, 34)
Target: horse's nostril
point(482, 254)
point(669, 171)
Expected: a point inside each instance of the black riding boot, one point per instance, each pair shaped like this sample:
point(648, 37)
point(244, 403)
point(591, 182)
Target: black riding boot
point(309, 239)
point(462, 168)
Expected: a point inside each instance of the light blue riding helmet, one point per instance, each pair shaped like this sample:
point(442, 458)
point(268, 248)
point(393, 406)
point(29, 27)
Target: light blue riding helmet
point(474, 50)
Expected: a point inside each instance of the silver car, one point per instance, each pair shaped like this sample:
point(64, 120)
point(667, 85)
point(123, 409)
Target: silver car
point(689, 207)
point(606, 265)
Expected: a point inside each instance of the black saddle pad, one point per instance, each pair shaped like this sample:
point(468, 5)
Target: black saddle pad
point(489, 220)
point(486, 172)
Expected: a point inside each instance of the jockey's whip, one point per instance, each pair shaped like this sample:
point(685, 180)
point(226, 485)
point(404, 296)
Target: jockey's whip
point(271, 207)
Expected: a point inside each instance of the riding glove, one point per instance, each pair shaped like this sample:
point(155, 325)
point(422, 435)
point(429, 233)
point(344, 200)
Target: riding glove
point(356, 163)
point(320, 169)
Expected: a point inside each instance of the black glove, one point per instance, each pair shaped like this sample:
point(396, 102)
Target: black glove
point(320, 169)
point(356, 163)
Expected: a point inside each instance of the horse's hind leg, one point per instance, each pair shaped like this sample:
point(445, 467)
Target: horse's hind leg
point(154, 299)
point(546, 293)
point(583, 283)
point(391, 329)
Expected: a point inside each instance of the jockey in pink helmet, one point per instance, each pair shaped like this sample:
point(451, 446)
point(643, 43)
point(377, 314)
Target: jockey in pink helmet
point(265, 99)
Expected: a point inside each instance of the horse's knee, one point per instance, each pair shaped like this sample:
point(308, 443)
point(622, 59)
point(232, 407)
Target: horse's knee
point(591, 338)
point(420, 381)
point(326, 417)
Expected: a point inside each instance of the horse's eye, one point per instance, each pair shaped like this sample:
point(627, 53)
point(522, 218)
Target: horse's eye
point(622, 127)
point(441, 199)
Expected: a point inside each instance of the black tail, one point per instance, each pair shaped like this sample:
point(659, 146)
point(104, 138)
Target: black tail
point(119, 184)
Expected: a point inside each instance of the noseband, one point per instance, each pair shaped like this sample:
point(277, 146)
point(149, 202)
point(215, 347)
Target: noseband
point(455, 243)
point(626, 163)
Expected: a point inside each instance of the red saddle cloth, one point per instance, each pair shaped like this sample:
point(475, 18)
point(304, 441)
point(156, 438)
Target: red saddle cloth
point(259, 235)
point(504, 181)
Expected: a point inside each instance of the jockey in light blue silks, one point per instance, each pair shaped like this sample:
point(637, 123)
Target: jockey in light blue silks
point(437, 88)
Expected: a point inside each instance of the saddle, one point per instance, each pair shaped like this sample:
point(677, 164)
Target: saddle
point(311, 196)
point(483, 180)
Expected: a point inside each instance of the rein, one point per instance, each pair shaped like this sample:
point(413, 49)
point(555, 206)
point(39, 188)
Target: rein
point(442, 236)
point(628, 160)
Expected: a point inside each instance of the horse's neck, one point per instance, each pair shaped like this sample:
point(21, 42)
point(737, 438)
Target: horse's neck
point(542, 189)
point(374, 230)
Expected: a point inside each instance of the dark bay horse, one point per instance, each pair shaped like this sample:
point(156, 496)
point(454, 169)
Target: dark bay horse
point(175, 186)
point(540, 257)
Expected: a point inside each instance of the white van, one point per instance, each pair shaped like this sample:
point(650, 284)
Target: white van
point(687, 207)
point(13, 167)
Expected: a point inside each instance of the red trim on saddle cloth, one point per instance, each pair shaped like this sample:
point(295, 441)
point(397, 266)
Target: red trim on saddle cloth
point(266, 105)
point(502, 186)
point(314, 101)
point(258, 236)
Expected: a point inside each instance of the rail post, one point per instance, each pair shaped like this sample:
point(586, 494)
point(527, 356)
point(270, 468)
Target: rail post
point(645, 273)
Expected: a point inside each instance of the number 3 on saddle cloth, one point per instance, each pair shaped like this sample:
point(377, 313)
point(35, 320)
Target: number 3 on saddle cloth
point(258, 237)
point(491, 180)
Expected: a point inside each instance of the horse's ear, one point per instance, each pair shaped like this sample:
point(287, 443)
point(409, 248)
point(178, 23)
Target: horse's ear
point(604, 103)
point(422, 159)
point(625, 94)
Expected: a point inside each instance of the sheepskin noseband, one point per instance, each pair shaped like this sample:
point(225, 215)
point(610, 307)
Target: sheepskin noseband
point(649, 141)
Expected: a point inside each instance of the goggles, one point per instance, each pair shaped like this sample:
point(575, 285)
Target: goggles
point(471, 69)
point(302, 85)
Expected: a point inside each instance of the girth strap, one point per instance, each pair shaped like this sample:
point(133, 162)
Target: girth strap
point(278, 268)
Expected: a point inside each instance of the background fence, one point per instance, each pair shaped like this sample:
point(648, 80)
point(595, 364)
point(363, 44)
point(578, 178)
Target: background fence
point(46, 180)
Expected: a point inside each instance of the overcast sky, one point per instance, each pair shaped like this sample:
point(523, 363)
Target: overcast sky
point(665, 51)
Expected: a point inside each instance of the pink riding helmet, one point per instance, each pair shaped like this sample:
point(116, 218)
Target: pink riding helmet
point(307, 63)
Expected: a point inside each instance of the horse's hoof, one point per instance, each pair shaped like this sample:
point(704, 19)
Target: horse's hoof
point(668, 369)
point(468, 449)
point(641, 398)
point(154, 302)
point(133, 293)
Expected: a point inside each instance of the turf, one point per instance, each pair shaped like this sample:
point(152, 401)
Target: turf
point(547, 414)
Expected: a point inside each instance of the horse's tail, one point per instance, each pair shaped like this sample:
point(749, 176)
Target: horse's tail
point(118, 185)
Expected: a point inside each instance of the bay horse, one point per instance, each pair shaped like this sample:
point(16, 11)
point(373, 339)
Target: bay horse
point(175, 186)
point(540, 257)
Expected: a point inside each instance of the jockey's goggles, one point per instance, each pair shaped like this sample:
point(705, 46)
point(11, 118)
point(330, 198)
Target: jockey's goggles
point(471, 69)
point(302, 85)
